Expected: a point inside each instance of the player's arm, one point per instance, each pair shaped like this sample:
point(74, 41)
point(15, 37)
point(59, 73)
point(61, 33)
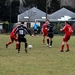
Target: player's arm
point(27, 30)
point(48, 27)
point(16, 32)
point(42, 28)
point(63, 28)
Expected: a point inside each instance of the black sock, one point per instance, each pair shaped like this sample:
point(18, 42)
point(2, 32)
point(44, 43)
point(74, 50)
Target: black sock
point(51, 43)
point(19, 47)
point(47, 41)
point(26, 45)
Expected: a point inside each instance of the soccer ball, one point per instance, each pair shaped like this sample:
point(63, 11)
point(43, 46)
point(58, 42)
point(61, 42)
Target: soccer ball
point(29, 46)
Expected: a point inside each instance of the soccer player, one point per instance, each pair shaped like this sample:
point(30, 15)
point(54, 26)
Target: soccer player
point(21, 31)
point(13, 38)
point(50, 34)
point(44, 30)
point(68, 30)
point(35, 28)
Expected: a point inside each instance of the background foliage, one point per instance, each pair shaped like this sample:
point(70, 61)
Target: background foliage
point(10, 9)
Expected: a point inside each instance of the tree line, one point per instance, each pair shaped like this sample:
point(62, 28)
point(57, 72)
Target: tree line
point(10, 9)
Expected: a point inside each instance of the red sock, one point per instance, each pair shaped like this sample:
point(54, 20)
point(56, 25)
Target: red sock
point(62, 48)
point(43, 41)
point(17, 44)
point(67, 45)
point(9, 43)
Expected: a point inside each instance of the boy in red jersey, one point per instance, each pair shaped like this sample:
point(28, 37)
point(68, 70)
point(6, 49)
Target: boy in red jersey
point(13, 38)
point(68, 30)
point(44, 30)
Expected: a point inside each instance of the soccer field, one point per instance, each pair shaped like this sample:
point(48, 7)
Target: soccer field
point(40, 60)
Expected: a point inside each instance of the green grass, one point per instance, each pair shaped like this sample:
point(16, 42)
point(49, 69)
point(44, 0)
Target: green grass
point(40, 60)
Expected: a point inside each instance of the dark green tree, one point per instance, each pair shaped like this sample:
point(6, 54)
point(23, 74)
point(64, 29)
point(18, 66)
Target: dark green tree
point(54, 6)
point(30, 3)
point(4, 11)
point(41, 4)
point(14, 10)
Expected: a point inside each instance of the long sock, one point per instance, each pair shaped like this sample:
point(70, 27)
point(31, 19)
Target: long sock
point(47, 41)
point(43, 41)
point(67, 45)
point(19, 47)
point(62, 48)
point(9, 43)
point(51, 43)
point(26, 45)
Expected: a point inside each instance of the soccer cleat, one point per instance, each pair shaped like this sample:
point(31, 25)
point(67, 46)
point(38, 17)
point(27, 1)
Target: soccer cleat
point(47, 44)
point(26, 51)
point(61, 51)
point(16, 48)
point(50, 46)
point(67, 50)
point(18, 51)
point(6, 45)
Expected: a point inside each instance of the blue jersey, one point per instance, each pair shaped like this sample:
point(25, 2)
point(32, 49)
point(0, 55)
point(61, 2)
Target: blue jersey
point(35, 26)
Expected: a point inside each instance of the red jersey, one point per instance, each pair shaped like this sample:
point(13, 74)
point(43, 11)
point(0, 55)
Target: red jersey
point(68, 30)
point(13, 31)
point(44, 28)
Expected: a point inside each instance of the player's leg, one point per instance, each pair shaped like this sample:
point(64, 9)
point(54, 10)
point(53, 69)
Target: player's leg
point(50, 39)
point(12, 40)
point(67, 44)
point(44, 36)
point(63, 43)
point(62, 46)
point(43, 40)
point(34, 32)
point(51, 42)
point(26, 45)
point(47, 41)
point(19, 44)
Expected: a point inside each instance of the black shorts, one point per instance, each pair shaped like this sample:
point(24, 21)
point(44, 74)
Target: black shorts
point(22, 40)
point(35, 29)
point(50, 35)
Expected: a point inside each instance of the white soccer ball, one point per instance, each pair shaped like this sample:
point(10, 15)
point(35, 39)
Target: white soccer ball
point(29, 46)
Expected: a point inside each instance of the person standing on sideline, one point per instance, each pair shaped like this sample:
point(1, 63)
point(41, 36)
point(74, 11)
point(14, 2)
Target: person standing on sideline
point(50, 34)
point(21, 31)
point(68, 30)
point(44, 31)
point(35, 27)
point(13, 38)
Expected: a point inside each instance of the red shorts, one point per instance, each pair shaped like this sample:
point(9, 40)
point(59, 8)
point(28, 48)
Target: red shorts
point(13, 38)
point(45, 33)
point(66, 38)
